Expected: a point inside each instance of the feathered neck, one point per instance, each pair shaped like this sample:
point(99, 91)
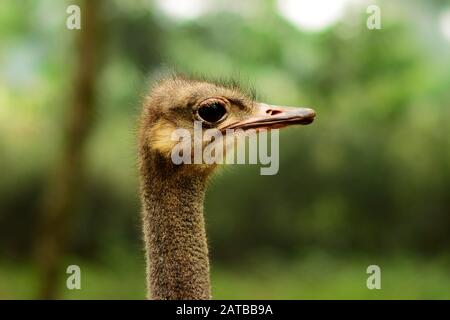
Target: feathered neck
point(174, 230)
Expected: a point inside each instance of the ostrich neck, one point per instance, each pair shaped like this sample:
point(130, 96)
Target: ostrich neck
point(174, 232)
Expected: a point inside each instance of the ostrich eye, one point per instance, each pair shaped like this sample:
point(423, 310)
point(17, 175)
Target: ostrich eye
point(212, 112)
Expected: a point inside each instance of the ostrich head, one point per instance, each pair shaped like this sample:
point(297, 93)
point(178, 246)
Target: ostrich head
point(173, 194)
point(178, 102)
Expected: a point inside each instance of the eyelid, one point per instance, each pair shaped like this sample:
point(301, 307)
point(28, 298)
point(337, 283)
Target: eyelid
point(212, 99)
point(224, 102)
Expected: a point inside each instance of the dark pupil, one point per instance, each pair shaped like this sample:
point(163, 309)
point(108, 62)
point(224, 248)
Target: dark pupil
point(212, 112)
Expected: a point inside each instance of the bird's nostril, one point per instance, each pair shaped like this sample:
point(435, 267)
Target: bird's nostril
point(273, 112)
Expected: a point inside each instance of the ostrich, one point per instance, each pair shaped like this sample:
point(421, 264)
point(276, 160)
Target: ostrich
point(172, 195)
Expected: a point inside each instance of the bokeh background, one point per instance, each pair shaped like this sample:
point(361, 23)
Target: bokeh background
point(367, 183)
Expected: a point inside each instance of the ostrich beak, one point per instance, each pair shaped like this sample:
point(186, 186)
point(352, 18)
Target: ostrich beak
point(268, 116)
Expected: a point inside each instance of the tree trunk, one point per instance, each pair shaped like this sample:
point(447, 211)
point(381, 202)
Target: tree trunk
point(59, 200)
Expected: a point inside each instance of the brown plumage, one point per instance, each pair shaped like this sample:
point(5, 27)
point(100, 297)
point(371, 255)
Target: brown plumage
point(173, 195)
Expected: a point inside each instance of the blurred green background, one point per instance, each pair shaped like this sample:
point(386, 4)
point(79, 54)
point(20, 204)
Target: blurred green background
point(367, 183)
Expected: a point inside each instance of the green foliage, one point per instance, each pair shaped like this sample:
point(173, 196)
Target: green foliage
point(318, 276)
